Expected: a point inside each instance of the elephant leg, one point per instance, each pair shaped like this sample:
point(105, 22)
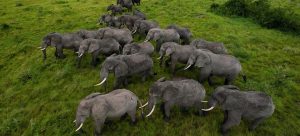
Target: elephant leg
point(210, 82)
point(56, 53)
point(204, 74)
point(225, 116)
point(118, 82)
point(167, 109)
point(132, 114)
point(167, 62)
point(162, 108)
point(60, 52)
point(255, 123)
point(229, 80)
point(94, 59)
point(173, 65)
point(199, 107)
point(158, 44)
point(78, 62)
point(233, 118)
point(98, 126)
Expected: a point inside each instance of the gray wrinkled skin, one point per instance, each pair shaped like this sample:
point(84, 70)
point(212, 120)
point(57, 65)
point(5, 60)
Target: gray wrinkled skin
point(139, 14)
point(211, 64)
point(126, 4)
point(184, 93)
point(142, 27)
point(185, 33)
point(107, 106)
point(129, 20)
point(124, 66)
point(95, 47)
point(115, 9)
point(85, 34)
point(60, 42)
point(123, 36)
point(215, 47)
point(176, 53)
point(161, 36)
point(144, 47)
point(251, 105)
point(111, 21)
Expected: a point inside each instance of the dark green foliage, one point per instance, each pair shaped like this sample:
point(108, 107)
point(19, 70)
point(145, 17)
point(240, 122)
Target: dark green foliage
point(260, 11)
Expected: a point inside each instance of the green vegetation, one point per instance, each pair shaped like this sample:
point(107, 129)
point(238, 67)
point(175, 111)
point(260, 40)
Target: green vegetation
point(40, 98)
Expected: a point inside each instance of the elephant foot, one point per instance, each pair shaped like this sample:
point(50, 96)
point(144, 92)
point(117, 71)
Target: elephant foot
point(224, 132)
point(166, 119)
point(133, 123)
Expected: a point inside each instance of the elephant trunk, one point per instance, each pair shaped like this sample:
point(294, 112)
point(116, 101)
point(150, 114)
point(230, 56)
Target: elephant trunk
point(161, 57)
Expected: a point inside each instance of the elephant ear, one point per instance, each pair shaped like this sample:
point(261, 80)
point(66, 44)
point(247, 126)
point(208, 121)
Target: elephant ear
point(156, 35)
point(232, 102)
point(93, 47)
point(55, 39)
point(170, 92)
point(121, 69)
point(169, 51)
point(202, 60)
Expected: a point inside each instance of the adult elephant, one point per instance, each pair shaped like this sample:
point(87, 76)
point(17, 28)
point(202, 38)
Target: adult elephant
point(129, 20)
point(123, 36)
point(161, 36)
point(144, 47)
point(176, 53)
point(215, 47)
point(211, 64)
point(185, 33)
point(139, 14)
point(137, 2)
point(95, 47)
point(60, 42)
point(125, 66)
point(101, 107)
point(142, 27)
point(126, 4)
point(236, 104)
point(110, 20)
point(184, 93)
point(85, 34)
point(115, 9)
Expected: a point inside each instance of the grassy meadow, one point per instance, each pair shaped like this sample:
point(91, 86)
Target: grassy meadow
point(40, 98)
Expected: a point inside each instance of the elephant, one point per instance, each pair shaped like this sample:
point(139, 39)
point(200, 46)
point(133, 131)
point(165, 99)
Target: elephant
point(111, 21)
point(176, 52)
point(96, 46)
point(129, 20)
point(126, 4)
point(185, 33)
point(184, 93)
point(85, 34)
point(211, 64)
point(137, 2)
point(123, 36)
point(101, 107)
point(142, 27)
point(161, 36)
point(250, 105)
point(215, 47)
point(144, 47)
point(115, 9)
point(125, 66)
point(60, 42)
point(139, 14)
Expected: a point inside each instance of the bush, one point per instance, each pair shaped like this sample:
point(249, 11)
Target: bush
point(260, 11)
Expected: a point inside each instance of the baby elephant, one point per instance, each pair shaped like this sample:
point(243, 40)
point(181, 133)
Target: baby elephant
point(184, 93)
point(106, 106)
point(144, 47)
point(215, 47)
point(211, 64)
point(236, 104)
point(96, 46)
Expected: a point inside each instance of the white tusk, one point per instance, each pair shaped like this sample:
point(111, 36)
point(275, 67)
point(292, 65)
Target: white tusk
point(39, 47)
point(74, 121)
point(101, 82)
point(80, 55)
point(146, 40)
point(133, 31)
point(188, 67)
point(159, 58)
point(77, 52)
point(208, 109)
point(151, 111)
point(144, 105)
point(204, 101)
point(79, 127)
point(43, 49)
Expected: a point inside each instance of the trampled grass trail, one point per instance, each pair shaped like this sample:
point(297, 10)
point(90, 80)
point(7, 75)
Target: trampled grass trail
point(40, 98)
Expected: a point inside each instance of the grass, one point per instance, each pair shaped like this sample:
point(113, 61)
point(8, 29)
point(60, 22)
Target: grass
point(40, 98)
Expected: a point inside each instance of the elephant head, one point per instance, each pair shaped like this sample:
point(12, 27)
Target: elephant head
point(200, 58)
point(136, 26)
point(166, 49)
point(153, 34)
point(127, 49)
point(101, 33)
point(223, 96)
point(52, 39)
point(87, 45)
point(113, 64)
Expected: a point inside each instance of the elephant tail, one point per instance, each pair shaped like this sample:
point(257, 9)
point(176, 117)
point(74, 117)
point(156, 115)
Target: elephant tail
point(141, 105)
point(244, 76)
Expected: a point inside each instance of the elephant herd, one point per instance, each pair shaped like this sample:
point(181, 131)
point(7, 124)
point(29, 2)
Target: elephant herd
point(174, 44)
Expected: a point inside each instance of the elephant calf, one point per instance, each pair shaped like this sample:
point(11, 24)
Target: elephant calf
point(215, 47)
point(95, 47)
point(236, 104)
point(144, 47)
point(184, 93)
point(106, 106)
point(185, 33)
point(125, 66)
point(211, 64)
point(176, 52)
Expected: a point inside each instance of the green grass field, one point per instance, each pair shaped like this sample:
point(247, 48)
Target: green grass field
point(40, 98)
